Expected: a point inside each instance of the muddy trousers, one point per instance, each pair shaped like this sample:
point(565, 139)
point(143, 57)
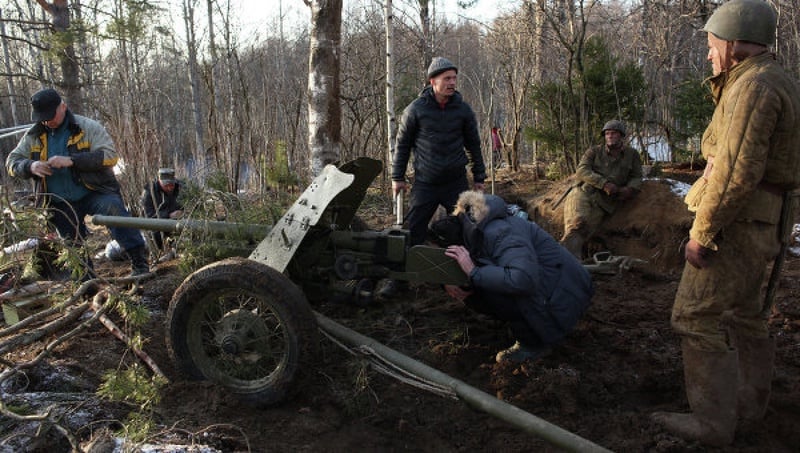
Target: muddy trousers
point(582, 217)
point(727, 354)
point(723, 388)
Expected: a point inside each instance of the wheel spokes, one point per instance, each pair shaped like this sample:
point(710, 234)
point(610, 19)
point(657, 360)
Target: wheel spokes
point(236, 336)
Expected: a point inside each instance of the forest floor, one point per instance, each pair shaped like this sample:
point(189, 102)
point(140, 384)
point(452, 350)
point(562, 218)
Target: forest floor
point(621, 363)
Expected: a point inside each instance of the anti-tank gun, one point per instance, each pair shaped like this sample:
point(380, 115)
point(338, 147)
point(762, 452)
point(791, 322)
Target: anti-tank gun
point(246, 323)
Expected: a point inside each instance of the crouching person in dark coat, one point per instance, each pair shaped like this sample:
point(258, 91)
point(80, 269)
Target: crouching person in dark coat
point(517, 272)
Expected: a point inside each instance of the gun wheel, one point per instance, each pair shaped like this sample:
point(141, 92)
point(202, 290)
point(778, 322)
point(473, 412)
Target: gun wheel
point(244, 326)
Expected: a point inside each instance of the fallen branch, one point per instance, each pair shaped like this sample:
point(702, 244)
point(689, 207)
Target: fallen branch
point(117, 332)
point(44, 314)
point(47, 329)
point(46, 417)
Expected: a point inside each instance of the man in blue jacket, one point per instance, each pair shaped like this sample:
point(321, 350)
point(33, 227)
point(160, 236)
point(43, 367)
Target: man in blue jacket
point(517, 272)
point(71, 159)
point(436, 128)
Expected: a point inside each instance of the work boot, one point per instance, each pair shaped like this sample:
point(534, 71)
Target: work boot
point(756, 360)
point(139, 266)
point(520, 353)
point(391, 288)
point(711, 383)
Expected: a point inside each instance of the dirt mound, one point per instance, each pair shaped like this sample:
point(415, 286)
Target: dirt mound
point(651, 227)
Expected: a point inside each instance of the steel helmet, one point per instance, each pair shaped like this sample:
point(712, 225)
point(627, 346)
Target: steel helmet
point(614, 125)
point(744, 20)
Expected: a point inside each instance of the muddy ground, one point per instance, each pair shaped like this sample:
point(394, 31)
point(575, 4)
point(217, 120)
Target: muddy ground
point(621, 363)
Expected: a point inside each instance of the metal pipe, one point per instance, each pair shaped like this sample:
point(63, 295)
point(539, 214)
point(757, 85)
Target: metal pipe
point(478, 399)
point(246, 230)
point(9, 131)
point(398, 208)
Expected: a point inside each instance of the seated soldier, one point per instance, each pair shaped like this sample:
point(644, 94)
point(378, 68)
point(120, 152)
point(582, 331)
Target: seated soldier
point(517, 273)
point(607, 176)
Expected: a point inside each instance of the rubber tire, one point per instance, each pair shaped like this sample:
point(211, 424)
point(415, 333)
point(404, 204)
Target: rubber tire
point(271, 292)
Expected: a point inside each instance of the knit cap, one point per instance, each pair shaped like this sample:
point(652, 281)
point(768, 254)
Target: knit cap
point(440, 65)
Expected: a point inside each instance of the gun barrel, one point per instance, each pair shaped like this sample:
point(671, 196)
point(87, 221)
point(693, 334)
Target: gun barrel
point(245, 230)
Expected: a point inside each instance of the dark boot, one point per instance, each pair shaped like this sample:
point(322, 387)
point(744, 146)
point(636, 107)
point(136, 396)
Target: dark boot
point(139, 266)
point(711, 383)
point(756, 360)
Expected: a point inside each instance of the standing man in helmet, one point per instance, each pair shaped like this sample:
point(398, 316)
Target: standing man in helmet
point(436, 128)
point(607, 175)
point(752, 149)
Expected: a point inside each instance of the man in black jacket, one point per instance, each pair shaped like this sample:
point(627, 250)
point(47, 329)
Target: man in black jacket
point(436, 128)
point(160, 201)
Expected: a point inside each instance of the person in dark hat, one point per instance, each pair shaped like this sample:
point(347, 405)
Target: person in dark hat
point(440, 130)
point(159, 200)
point(71, 160)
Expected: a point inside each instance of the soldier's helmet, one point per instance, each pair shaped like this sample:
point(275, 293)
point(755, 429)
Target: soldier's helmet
point(744, 20)
point(614, 125)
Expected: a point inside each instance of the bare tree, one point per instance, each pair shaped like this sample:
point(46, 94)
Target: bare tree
point(194, 79)
point(391, 120)
point(7, 63)
point(324, 111)
point(514, 45)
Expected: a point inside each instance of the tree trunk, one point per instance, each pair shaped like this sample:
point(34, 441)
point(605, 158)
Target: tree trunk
point(9, 80)
point(324, 111)
point(70, 72)
point(194, 80)
point(391, 122)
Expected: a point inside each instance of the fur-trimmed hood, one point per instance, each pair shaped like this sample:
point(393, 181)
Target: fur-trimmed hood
point(480, 207)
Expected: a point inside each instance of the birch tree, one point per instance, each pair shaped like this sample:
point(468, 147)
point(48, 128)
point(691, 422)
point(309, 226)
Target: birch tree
point(324, 111)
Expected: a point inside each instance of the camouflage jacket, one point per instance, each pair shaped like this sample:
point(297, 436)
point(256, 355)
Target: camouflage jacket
point(752, 146)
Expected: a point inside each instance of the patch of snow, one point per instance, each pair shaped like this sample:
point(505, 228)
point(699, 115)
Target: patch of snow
point(679, 188)
point(794, 243)
point(121, 446)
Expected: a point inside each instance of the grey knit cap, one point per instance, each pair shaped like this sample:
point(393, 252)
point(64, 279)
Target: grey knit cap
point(440, 65)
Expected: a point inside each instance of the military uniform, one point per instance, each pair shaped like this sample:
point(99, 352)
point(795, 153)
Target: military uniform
point(587, 205)
point(752, 146)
